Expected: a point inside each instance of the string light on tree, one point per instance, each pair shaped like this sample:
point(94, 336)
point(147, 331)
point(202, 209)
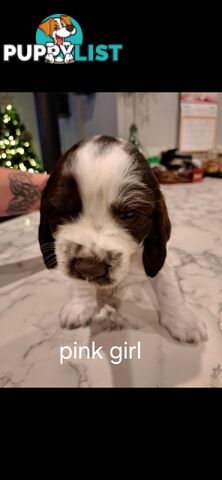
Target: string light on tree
point(15, 142)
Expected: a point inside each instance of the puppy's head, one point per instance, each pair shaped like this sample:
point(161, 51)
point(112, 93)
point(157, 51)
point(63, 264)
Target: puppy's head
point(58, 28)
point(101, 202)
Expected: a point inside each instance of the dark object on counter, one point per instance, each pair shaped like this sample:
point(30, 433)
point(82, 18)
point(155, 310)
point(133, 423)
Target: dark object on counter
point(185, 174)
point(173, 159)
point(175, 167)
point(213, 175)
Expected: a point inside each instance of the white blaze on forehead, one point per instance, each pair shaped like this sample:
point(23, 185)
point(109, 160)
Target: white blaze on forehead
point(100, 173)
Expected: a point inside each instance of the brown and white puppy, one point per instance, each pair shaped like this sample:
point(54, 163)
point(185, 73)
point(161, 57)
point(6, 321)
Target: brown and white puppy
point(59, 29)
point(101, 208)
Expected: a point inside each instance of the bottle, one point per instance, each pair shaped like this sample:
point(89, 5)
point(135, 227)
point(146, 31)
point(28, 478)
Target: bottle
point(154, 161)
point(134, 138)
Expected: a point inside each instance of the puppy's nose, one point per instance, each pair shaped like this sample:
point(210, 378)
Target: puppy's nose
point(90, 268)
point(69, 28)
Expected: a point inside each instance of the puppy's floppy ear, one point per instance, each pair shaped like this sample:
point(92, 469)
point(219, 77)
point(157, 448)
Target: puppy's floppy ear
point(154, 252)
point(46, 26)
point(46, 242)
point(66, 19)
point(60, 198)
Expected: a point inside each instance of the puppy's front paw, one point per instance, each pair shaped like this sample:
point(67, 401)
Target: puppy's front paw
point(69, 58)
point(109, 318)
point(185, 326)
point(75, 314)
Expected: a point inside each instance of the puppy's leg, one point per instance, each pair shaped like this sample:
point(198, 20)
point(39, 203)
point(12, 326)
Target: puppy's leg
point(69, 58)
point(174, 314)
point(49, 58)
point(80, 310)
point(107, 313)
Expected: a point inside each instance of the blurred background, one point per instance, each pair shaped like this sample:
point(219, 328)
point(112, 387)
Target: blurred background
point(36, 128)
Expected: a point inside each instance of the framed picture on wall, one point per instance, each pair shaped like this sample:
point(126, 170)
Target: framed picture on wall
point(198, 121)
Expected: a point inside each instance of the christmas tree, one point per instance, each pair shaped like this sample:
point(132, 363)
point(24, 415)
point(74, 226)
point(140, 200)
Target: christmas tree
point(15, 143)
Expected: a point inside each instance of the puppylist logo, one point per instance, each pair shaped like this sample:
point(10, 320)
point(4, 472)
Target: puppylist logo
point(59, 40)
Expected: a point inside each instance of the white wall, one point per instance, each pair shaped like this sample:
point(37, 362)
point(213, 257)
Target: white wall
point(157, 118)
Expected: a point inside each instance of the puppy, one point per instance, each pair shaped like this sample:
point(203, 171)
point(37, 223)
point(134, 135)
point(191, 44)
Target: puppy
point(59, 29)
point(102, 208)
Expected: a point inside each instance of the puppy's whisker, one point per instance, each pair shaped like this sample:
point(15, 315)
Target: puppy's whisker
point(46, 251)
point(49, 256)
point(114, 235)
point(48, 244)
point(51, 263)
point(47, 248)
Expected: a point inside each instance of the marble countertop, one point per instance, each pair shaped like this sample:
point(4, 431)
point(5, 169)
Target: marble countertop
point(31, 298)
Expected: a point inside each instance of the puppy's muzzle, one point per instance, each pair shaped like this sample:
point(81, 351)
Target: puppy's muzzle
point(90, 269)
point(70, 28)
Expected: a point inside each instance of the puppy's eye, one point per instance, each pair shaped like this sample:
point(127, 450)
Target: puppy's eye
point(127, 215)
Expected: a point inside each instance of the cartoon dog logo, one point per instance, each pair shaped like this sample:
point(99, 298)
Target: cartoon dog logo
point(59, 28)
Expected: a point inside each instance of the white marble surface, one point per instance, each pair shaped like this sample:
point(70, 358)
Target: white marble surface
point(30, 335)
